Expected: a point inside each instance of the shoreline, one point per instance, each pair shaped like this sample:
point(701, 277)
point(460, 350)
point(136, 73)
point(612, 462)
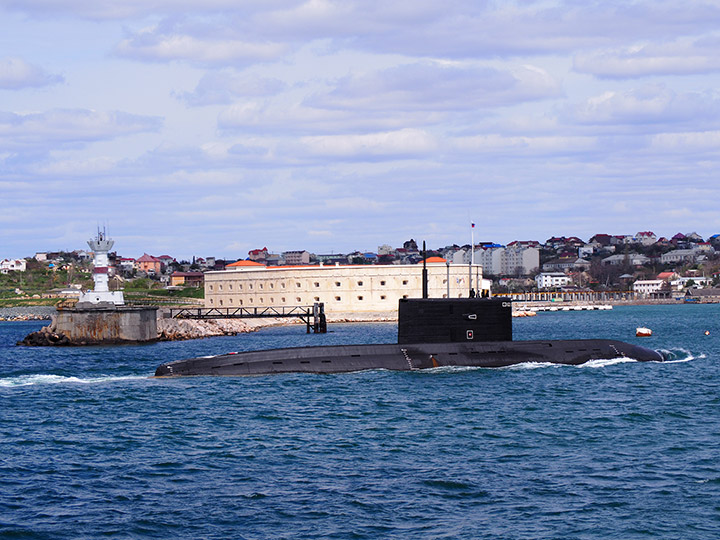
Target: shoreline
point(188, 329)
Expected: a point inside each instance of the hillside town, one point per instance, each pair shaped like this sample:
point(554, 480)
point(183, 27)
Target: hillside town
point(647, 265)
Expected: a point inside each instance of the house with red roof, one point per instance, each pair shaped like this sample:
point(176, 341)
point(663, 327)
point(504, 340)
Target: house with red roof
point(150, 265)
point(646, 238)
point(258, 254)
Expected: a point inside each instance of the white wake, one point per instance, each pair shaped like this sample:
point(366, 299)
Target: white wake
point(44, 378)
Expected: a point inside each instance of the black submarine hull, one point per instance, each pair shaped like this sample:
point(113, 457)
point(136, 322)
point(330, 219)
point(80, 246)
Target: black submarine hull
point(432, 333)
point(406, 357)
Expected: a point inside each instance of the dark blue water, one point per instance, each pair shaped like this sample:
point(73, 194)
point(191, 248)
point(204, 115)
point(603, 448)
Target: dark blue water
point(90, 447)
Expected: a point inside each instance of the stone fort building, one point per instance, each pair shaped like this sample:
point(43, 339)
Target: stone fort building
point(343, 289)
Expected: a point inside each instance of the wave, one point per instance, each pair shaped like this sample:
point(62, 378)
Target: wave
point(531, 365)
point(604, 362)
point(678, 355)
point(46, 378)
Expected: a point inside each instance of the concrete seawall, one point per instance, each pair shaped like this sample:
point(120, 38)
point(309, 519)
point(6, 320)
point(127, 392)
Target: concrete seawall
point(98, 325)
point(108, 325)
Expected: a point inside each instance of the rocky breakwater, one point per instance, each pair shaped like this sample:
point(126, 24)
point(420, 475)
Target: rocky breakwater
point(182, 329)
point(46, 336)
point(167, 330)
point(27, 313)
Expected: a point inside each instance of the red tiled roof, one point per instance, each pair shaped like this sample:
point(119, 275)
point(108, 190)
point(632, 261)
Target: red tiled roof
point(244, 263)
point(148, 258)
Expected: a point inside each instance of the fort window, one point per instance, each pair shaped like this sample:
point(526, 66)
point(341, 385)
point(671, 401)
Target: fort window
point(252, 301)
point(317, 298)
point(317, 283)
point(360, 297)
point(211, 287)
point(360, 283)
point(250, 286)
point(298, 285)
point(337, 298)
point(282, 285)
point(262, 300)
point(282, 299)
point(299, 299)
point(382, 283)
point(405, 282)
point(272, 285)
point(221, 303)
point(261, 286)
point(219, 287)
point(211, 302)
point(240, 302)
point(240, 286)
point(405, 295)
point(337, 283)
point(382, 297)
point(272, 300)
point(230, 286)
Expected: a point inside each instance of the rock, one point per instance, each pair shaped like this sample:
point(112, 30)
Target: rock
point(44, 338)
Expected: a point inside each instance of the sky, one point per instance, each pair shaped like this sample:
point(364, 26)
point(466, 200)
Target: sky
point(212, 127)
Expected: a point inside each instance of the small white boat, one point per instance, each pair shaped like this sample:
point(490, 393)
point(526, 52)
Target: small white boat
point(641, 331)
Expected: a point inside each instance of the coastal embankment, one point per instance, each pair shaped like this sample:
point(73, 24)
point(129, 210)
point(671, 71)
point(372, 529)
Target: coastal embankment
point(187, 329)
point(167, 329)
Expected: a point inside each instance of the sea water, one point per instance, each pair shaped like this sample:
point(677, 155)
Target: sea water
point(92, 447)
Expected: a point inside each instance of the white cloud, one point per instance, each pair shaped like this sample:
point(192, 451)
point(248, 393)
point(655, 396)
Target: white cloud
point(159, 44)
point(395, 144)
point(77, 167)
point(306, 110)
point(521, 146)
point(16, 74)
point(44, 131)
point(680, 57)
point(649, 105)
point(439, 87)
point(702, 141)
point(223, 87)
point(112, 9)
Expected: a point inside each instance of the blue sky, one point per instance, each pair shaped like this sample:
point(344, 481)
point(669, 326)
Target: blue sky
point(213, 127)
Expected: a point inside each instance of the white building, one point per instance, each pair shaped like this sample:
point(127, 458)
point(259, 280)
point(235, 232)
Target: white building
point(679, 256)
point(507, 261)
point(521, 260)
point(699, 282)
point(551, 280)
point(646, 238)
point(586, 251)
point(296, 257)
point(12, 265)
point(385, 249)
point(343, 289)
point(491, 259)
point(634, 259)
point(646, 287)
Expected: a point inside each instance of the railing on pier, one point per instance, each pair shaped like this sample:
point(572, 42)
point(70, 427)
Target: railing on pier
point(313, 316)
point(571, 296)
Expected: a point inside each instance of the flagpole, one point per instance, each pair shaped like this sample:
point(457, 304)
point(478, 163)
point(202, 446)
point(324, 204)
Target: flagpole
point(472, 254)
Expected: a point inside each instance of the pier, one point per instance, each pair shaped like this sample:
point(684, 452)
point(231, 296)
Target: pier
point(589, 297)
point(313, 316)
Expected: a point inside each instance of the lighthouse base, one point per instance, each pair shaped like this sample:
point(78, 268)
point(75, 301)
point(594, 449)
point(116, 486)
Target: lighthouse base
point(101, 298)
point(106, 324)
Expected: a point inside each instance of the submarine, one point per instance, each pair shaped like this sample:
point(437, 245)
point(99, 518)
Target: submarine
point(432, 333)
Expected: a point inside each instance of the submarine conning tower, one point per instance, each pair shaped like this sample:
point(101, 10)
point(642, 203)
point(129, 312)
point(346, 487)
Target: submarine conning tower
point(454, 320)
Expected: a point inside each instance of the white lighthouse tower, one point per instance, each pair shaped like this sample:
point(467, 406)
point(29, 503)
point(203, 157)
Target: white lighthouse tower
point(100, 245)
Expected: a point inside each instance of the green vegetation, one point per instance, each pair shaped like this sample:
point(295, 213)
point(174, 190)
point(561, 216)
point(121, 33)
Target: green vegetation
point(33, 286)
